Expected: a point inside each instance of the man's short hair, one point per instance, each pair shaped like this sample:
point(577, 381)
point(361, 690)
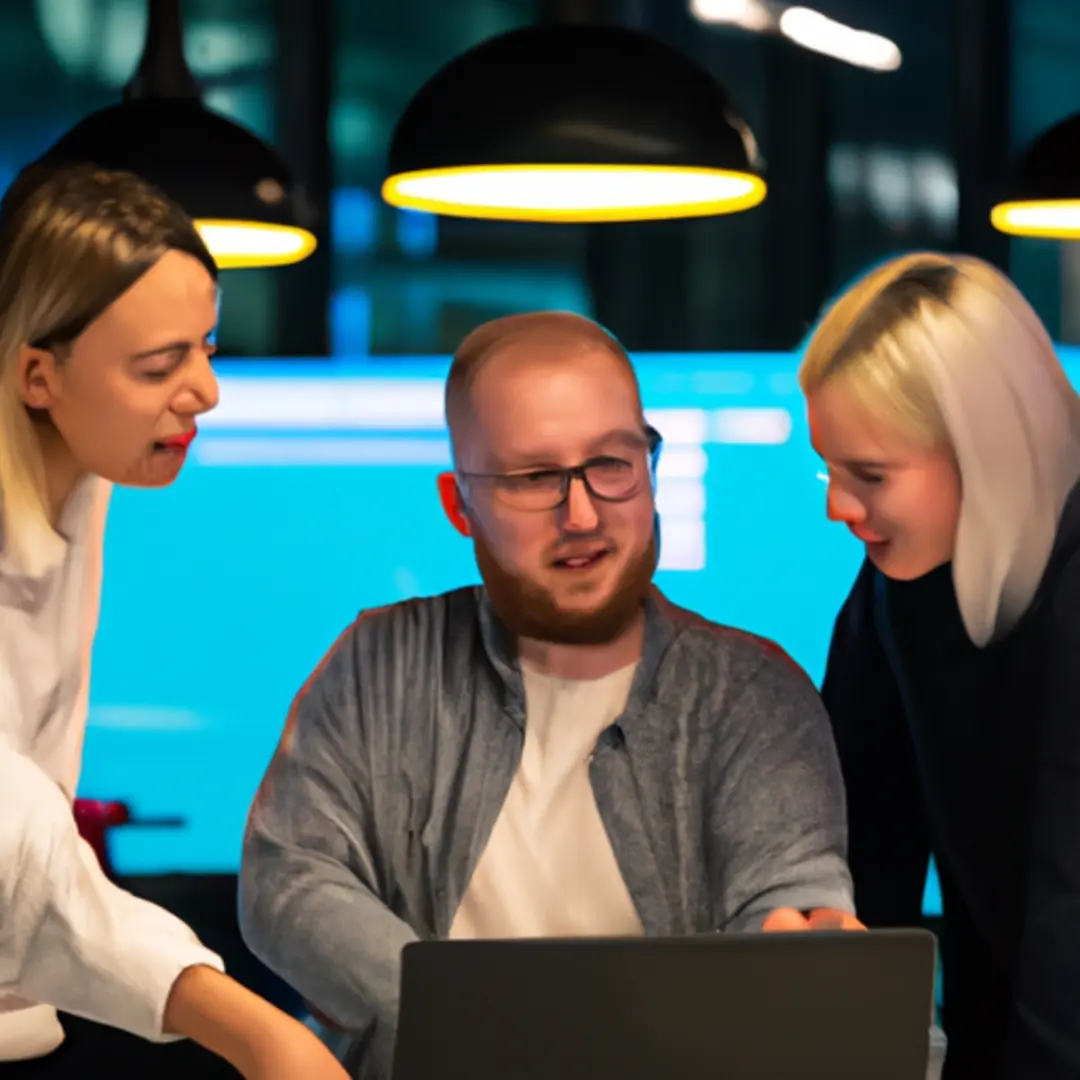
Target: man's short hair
point(550, 328)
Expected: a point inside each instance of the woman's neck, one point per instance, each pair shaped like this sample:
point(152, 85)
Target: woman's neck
point(62, 471)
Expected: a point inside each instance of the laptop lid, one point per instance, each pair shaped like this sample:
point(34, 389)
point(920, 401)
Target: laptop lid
point(796, 1006)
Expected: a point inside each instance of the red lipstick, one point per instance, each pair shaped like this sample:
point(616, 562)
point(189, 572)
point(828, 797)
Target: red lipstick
point(180, 442)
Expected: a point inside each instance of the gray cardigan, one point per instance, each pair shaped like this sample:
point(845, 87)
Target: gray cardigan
point(719, 788)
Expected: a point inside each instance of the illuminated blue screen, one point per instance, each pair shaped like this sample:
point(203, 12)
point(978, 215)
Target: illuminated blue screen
point(310, 494)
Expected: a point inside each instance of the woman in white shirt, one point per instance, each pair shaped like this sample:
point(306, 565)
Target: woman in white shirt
point(108, 301)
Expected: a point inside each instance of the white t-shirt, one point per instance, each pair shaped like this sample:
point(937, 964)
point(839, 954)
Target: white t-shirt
point(548, 869)
point(68, 936)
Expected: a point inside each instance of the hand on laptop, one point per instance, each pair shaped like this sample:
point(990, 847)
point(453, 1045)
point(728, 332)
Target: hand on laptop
point(788, 919)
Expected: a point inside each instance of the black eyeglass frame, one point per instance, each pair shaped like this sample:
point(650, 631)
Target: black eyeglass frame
point(655, 444)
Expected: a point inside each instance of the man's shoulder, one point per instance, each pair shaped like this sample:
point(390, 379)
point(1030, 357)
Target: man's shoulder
point(404, 635)
point(722, 648)
point(415, 618)
point(730, 683)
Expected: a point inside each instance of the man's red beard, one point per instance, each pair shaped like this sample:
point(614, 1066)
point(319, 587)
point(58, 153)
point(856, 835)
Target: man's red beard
point(530, 611)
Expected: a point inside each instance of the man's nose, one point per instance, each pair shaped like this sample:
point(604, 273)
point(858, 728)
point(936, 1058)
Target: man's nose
point(579, 512)
point(842, 506)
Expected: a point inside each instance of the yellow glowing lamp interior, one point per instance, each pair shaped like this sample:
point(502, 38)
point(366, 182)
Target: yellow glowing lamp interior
point(237, 245)
point(1049, 218)
point(571, 193)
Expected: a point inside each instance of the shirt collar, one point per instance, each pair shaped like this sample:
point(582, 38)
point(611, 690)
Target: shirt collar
point(501, 649)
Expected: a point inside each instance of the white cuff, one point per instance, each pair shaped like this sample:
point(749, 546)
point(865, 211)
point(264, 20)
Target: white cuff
point(29, 1032)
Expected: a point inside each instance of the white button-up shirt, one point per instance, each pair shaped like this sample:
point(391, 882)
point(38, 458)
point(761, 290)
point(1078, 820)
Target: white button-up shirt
point(69, 938)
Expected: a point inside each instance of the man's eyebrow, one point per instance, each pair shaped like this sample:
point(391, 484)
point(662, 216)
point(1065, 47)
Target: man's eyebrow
point(548, 458)
point(634, 437)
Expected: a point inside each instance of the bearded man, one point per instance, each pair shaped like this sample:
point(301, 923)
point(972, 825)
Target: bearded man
point(558, 752)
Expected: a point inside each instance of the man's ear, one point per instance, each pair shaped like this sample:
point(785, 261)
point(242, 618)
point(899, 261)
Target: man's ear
point(450, 497)
point(37, 370)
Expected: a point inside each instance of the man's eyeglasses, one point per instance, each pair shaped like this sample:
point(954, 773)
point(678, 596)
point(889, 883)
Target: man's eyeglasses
point(607, 478)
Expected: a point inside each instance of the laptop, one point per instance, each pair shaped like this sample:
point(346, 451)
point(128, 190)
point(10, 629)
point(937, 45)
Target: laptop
point(793, 1006)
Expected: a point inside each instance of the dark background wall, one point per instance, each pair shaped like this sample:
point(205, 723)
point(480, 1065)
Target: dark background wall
point(861, 164)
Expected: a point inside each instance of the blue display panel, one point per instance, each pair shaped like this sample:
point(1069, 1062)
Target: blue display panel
point(310, 494)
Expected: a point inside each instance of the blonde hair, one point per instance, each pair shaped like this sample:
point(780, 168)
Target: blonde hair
point(72, 240)
point(948, 351)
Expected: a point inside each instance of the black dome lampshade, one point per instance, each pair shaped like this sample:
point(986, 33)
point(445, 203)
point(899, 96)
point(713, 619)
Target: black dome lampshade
point(1045, 200)
point(573, 123)
point(238, 190)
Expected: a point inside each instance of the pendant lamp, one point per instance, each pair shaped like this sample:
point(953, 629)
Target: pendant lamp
point(573, 123)
point(1045, 200)
point(238, 190)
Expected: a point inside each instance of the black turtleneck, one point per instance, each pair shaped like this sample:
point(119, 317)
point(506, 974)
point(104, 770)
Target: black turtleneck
point(972, 754)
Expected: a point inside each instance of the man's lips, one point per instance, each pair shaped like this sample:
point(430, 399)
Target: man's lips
point(580, 558)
